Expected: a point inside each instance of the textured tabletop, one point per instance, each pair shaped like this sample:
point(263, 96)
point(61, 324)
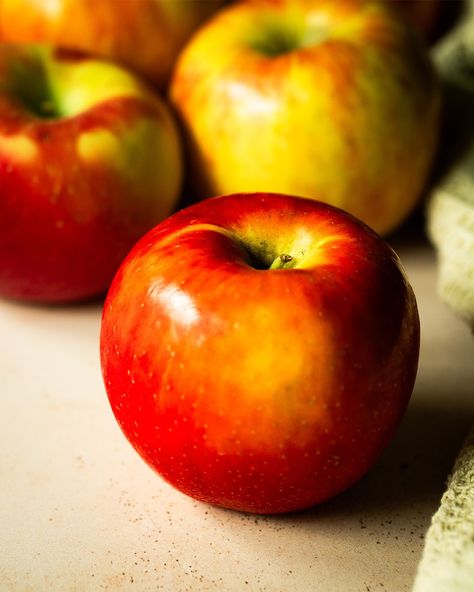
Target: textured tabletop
point(79, 510)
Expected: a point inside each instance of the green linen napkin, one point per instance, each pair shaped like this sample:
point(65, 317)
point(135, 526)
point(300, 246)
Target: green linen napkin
point(448, 558)
point(447, 564)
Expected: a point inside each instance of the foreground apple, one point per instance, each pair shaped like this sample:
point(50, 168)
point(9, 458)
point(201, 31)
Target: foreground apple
point(314, 98)
point(259, 350)
point(89, 161)
point(145, 35)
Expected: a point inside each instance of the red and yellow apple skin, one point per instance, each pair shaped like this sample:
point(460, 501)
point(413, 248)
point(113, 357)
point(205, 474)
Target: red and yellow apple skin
point(424, 14)
point(90, 160)
point(259, 350)
point(144, 35)
point(312, 98)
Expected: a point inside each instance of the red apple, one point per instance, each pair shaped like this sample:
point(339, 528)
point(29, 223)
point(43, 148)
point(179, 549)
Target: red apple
point(145, 35)
point(259, 350)
point(313, 98)
point(89, 161)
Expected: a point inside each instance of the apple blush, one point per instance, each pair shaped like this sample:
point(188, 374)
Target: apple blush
point(259, 350)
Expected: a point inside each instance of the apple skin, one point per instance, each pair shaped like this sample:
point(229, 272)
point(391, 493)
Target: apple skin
point(351, 116)
point(424, 14)
point(257, 389)
point(82, 182)
point(144, 35)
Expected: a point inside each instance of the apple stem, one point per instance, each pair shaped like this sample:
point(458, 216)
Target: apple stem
point(283, 261)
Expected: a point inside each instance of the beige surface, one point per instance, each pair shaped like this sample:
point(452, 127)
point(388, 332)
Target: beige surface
point(80, 511)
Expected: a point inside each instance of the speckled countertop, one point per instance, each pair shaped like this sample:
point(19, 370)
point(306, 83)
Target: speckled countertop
point(80, 511)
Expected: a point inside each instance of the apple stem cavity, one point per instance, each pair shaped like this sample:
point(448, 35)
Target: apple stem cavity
point(263, 259)
point(283, 261)
point(275, 37)
point(31, 83)
point(278, 42)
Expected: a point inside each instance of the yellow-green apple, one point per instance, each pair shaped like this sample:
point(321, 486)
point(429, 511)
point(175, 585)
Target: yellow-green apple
point(424, 14)
point(329, 100)
point(145, 35)
point(90, 160)
point(259, 350)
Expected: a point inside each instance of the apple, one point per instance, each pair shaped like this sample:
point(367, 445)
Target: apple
point(259, 350)
point(145, 35)
point(424, 14)
point(315, 98)
point(90, 160)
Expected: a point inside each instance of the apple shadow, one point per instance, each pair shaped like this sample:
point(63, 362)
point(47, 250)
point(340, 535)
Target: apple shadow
point(73, 306)
point(409, 478)
point(380, 521)
point(451, 13)
point(457, 126)
point(60, 325)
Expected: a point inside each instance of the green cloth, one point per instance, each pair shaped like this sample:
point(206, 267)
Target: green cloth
point(450, 213)
point(447, 564)
point(448, 559)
